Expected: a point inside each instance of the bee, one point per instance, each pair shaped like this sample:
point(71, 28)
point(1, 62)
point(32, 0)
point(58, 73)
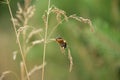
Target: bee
point(61, 42)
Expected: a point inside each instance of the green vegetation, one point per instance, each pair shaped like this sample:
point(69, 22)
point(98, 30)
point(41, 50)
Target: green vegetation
point(95, 54)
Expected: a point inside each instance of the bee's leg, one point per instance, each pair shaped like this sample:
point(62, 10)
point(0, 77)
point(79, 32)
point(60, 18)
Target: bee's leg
point(62, 50)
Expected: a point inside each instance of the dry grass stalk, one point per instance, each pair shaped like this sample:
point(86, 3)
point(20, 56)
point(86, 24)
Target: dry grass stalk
point(8, 72)
point(50, 40)
point(55, 27)
point(32, 33)
point(3, 74)
point(27, 3)
point(81, 19)
point(23, 15)
point(22, 19)
point(45, 38)
point(70, 59)
point(66, 18)
point(20, 30)
point(59, 13)
point(36, 68)
point(22, 70)
point(37, 42)
point(20, 24)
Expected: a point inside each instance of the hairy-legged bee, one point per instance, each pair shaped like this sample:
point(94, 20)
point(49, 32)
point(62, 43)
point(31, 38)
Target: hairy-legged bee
point(62, 42)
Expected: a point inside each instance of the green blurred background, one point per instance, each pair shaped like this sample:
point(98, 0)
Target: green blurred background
point(96, 55)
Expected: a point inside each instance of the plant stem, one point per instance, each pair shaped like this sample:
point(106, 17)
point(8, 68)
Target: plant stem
point(45, 39)
point(18, 41)
point(54, 28)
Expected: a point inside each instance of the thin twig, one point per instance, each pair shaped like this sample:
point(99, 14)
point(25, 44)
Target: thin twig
point(45, 39)
point(36, 68)
point(55, 27)
point(22, 70)
point(70, 59)
point(8, 72)
point(19, 45)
